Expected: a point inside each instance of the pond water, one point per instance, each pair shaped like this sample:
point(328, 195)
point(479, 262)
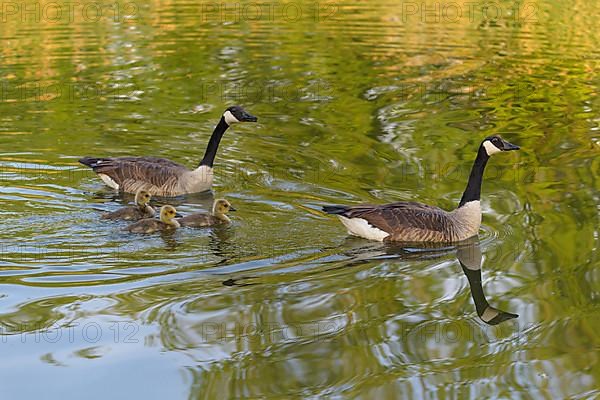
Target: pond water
point(365, 102)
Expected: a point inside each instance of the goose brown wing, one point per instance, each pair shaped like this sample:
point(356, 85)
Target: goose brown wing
point(131, 171)
point(397, 217)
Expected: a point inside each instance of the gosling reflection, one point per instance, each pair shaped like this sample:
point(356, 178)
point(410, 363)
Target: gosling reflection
point(169, 239)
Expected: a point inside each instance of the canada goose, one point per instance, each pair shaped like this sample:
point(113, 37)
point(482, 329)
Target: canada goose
point(162, 177)
point(141, 209)
point(167, 222)
point(416, 222)
point(217, 217)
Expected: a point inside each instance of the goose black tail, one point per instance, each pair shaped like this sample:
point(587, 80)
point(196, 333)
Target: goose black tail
point(338, 210)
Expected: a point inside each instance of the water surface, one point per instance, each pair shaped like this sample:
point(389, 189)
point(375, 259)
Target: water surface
point(368, 102)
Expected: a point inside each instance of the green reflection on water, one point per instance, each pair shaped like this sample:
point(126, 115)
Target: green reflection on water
point(357, 103)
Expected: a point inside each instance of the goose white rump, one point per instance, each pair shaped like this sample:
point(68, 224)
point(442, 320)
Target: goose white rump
point(361, 228)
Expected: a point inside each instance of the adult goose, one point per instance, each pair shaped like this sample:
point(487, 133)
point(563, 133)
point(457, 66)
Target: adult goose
point(218, 216)
point(167, 222)
point(162, 177)
point(416, 222)
point(141, 209)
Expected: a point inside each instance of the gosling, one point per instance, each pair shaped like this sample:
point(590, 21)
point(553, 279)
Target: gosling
point(167, 222)
point(141, 209)
point(218, 216)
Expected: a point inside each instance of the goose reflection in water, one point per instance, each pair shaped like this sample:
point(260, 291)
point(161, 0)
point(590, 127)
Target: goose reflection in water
point(470, 259)
point(468, 253)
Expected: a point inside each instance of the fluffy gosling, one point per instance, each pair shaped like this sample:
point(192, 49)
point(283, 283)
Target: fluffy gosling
point(218, 216)
point(141, 209)
point(167, 222)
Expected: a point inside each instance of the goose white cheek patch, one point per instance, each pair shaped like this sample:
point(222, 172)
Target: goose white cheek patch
point(490, 148)
point(229, 118)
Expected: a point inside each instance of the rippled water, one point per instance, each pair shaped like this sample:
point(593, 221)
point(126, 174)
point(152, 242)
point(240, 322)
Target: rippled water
point(367, 102)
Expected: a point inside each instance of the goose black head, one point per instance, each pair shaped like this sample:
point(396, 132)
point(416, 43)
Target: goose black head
point(235, 114)
point(495, 144)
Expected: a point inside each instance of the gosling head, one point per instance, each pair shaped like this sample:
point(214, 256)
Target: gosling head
point(167, 215)
point(495, 144)
point(142, 198)
point(222, 207)
point(235, 114)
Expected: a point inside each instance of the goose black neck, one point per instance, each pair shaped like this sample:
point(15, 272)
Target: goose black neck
point(473, 189)
point(474, 278)
point(213, 143)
